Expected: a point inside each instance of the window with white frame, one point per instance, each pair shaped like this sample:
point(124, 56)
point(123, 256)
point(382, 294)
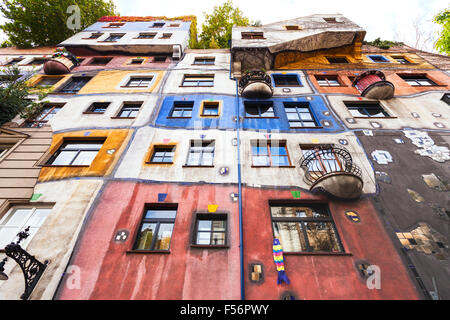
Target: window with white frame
point(17, 219)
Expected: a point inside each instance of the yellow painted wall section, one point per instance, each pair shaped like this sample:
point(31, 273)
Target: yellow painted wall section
point(34, 81)
point(111, 80)
point(317, 60)
point(103, 163)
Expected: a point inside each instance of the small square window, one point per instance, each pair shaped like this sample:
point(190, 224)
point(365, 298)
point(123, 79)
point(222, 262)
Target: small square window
point(100, 61)
point(337, 60)
point(182, 109)
point(155, 231)
point(162, 154)
point(378, 58)
point(147, 35)
point(271, 153)
point(129, 110)
point(210, 229)
point(328, 80)
point(158, 25)
point(401, 60)
point(210, 109)
point(174, 25)
point(330, 20)
point(95, 35)
point(446, 98)
point(160, 59)
point(292, 27)
point(299, 115)
point(286, 80)
point(204, 60)
point(115, 25)
point(201, 153)
point(252, 35)
point(259, 109)
point(137, 61)
point(114, 38)
point(75, 84)
point(417, 80)
point(98, 107)
point(366, 110)
point(166, 36)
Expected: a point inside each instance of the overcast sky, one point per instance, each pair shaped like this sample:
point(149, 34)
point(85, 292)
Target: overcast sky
point(388, 19)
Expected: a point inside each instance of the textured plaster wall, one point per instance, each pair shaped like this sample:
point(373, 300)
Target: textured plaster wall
point(56, 237)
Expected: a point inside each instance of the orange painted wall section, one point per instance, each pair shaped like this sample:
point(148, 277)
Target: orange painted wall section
point(103, 163)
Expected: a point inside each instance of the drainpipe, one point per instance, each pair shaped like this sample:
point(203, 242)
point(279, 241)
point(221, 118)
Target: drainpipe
point(241, 237)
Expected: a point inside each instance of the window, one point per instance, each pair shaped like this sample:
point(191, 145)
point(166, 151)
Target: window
point(100, 61)
point(334, 60)
point(46, 114)
point(252, 35)
point(136, 61)
point(158, 25)
point(48, 81)
point(259, 109)
point(95, 35)
point(114, 38)
point(210, 229)
point(160, 59)
point(417, 80)
point(13, 61)
point(162, 154)
point(293, 27)
point(286, 80)
point(129, 110)
point(206, 80)
point(366, 110)
point(98, 107)
point(330, 20)
point(147, 35)
point(166, 36)
point(299, 115)
point(328, 80)
point(19, 218)
point(210, 109)
point(38, 61)
point(446, 98)
point(155, 232)
point(76, 153)
point(174, 25)
point(204, 60)
point(4, 149)
point(378, 58)
point(115, 25)
point(401, 60)
point(75, 84)
point(305, 228)
point(201, 153)
point(325, 162)
point(139, 82)
point(182, 109)
point(269, 153)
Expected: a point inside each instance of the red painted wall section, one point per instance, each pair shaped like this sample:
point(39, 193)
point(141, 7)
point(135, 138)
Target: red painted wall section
point(323, 276)
point(109, 272)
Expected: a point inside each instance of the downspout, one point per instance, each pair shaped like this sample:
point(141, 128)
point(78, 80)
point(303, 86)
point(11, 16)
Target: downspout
point(241, 233)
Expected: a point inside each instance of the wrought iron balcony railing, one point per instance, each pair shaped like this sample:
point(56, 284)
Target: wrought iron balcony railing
point(331, 168)
point(255, 84)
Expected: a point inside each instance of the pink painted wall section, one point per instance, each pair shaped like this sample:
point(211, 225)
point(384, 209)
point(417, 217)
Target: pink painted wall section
point(323, 276)
point(109, 272)
point(121, 62)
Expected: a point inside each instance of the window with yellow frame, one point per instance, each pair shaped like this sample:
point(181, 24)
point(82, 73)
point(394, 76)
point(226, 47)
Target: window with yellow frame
point(210, 108)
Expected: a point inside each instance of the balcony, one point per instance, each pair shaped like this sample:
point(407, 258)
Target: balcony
point(331, 169)
point(256, 85)
point(62, 62)
point(372, 84)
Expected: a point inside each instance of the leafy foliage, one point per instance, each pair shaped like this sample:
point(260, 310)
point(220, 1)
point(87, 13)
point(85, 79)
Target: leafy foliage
point(443, 43)
point(44, 22)
point(382, 44)
point(14, 96)
point(216, 30)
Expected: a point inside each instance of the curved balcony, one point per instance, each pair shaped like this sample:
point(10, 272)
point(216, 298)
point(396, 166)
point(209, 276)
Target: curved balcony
point(331, 169)
point(255, 85)
point(60, 63)
point(372, 84)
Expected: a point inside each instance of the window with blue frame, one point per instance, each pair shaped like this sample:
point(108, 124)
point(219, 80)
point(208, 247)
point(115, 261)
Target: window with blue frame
point(182, 109)
point(378, 58)
point(259, 109)
point(299, 115)
point(286, 80)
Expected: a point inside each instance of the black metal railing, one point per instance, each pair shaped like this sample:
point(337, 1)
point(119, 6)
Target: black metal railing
point(254, 76)
point(327, 160)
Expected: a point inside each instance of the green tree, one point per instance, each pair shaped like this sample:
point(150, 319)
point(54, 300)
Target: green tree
point(216, 30)
point(14, 96)
point(443, 43)
point(44, 22)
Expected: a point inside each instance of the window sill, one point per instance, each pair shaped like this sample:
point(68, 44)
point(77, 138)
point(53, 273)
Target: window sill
point(88, 112)
point(196, 86)
point(147, 251)
point(204, 246)
point(123, 117)
point(374, 118)
point(199, 166)
point(62, 166)
point(158, 163)
point(136, 87)
point(273, 166)
point(261, 117)
point(178, 117)
point(318, 254)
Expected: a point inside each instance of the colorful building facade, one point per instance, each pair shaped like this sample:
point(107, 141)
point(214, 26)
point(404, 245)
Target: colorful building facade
point(170, 171)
